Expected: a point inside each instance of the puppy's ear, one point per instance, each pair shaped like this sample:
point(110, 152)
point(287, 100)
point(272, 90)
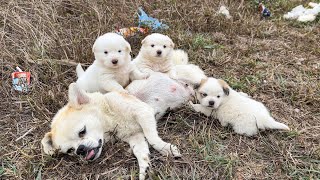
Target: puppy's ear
point(77, 97)
point(128, 47)
point(94, 47)
point(144, 40)
point(171, 42)
point(225, 86)
point(47, 144)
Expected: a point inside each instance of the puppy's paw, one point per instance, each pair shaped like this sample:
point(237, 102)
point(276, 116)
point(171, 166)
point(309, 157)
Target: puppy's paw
point(191, 104)
point(145, 76)
point(170, 150)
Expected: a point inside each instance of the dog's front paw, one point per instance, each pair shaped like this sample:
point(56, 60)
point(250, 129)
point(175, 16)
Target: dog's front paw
point(191, 104)
point(145, 76)
point(170, 150)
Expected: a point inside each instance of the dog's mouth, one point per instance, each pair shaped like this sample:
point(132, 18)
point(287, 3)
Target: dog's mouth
point(91, 154)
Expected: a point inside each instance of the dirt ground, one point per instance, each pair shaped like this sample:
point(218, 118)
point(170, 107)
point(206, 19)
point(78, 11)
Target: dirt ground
point(274, 60)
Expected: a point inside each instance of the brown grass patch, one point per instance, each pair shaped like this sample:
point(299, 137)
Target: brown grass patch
point(275, 61)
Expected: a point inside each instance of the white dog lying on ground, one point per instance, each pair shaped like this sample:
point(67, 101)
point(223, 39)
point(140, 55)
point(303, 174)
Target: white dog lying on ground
point(155, 54)
point(161, 93)
point(82, 126)
point(230, 107)
point(112, 68)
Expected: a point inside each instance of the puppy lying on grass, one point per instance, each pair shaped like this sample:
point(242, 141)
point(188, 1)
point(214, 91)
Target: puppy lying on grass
point(155, 54)
point(244, 114)
point(112, 69)
point(161, 93)
point(86, 122)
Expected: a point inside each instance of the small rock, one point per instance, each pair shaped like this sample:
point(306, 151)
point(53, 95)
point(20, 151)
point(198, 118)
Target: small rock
point(296, 110)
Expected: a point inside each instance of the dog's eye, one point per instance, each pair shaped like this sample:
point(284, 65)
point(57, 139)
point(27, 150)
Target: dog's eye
point(119, 51)
point(218, 96)
point(164, 46)
point(186, 85)
point(70, 150)
point(152, 45)
point(82, 132)
point(105, 52)
point(204, 94)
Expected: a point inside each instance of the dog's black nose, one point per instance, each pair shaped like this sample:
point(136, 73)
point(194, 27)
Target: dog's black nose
point(81, 150)
point(114, 61)
point(211, 103)
point(159, 52)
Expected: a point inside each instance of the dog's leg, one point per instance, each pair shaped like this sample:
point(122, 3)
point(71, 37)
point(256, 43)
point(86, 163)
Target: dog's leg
point(140, 149)
point(111, 85)
point(149, 127)
point(200, 108)
point(173, 74)
point(137, 75)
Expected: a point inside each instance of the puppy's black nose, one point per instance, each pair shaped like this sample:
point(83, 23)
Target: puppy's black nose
point(159, 52)
point(114, 61)
point(211, 103)
point(81, 150)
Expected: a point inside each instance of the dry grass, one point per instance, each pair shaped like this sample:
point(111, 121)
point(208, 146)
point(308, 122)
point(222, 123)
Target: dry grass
point(275, 61)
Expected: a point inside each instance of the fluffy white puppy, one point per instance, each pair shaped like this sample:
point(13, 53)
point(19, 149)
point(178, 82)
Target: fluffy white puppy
point(244, 114)
point(155, 54)
point(89, 119)
point(161, 93)
point(112, 69)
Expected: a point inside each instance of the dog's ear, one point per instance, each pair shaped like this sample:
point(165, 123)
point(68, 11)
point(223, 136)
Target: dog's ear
point(77, 97)
point(225, 86)
point(144, 40)
point(171, 42)
point(94, 47)
point(47, 144)
point(128, 47)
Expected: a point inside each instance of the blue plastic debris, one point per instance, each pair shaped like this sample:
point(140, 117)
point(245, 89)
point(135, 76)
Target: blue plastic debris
point(264, 11)
point(147, 21)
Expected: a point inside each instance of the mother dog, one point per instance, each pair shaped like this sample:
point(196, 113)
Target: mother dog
point(86, 121)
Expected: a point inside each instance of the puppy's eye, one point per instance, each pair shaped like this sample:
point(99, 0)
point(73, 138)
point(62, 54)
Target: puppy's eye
point(204, 94)
point(152, 45)
point(105, 52)
point(218, 96)
point(186, 85)
point(119, 51)
point(70, 150)
point(82, 132)
point(164, 46)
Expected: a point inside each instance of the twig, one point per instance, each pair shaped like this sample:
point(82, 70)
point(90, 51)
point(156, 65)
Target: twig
point(24, 134)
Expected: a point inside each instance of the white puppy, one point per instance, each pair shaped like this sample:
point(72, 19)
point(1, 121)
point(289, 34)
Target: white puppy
point(112, 68)
point(89, 119)
point(155, 54)
point(230, 107)
point(161, 93)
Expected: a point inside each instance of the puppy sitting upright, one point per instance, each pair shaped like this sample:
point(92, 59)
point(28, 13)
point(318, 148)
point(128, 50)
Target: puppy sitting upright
point(230, 107)
point(112, 69)
point(155, 54)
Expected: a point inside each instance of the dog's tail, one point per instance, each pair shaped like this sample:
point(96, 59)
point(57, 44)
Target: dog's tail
point(179, 57)
point(271, 123)
point(79, 70)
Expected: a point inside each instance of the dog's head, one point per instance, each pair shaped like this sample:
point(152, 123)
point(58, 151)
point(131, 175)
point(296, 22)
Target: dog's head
point(76, 128)
point(112, 50)
point(211, 92)
point(157, 47)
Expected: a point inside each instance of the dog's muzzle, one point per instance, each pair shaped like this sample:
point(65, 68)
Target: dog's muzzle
point(88, 153)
